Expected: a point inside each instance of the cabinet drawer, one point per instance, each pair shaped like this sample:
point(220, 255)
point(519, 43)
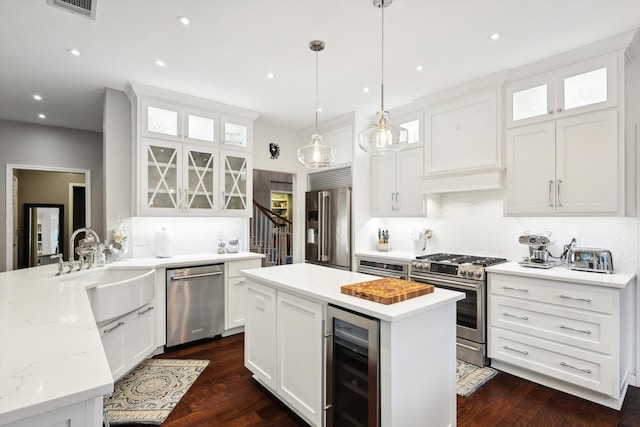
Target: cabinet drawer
point(564, 294)
point(234, 267)
point(590, 331)
point(583, 368)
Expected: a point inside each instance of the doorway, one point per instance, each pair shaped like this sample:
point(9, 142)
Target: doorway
point(27, 184)
point(272, 224)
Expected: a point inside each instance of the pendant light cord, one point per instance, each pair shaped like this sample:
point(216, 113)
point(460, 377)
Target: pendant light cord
point(382, 5)
point(316, 92)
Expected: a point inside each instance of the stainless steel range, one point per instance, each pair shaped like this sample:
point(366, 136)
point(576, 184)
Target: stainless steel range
point(462, 273)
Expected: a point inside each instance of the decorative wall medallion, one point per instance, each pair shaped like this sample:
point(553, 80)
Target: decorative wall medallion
point(274, 150)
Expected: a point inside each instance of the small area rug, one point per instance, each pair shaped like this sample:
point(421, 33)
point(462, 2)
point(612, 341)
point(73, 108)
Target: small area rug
point(149, 393)
point(470, 377)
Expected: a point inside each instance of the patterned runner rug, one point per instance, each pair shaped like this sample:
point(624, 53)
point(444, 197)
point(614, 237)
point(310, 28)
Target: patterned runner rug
point(149, 393)
point(470, 377)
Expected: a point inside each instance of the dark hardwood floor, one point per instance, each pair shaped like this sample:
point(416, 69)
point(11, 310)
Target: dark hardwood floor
point(226, 395)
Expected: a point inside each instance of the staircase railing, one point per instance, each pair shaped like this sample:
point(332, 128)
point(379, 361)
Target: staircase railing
point(270, 235)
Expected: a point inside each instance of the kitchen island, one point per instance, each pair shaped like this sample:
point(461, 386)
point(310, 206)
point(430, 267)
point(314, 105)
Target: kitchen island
point(285, 348)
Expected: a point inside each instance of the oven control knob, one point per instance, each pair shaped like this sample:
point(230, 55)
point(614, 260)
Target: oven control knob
point(463, 273)
point(478, 274)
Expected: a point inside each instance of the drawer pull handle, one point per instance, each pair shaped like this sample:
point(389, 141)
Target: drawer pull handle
point(106, 331)
point(515, 315)
point(584, 331)
point(140, 313)
point(506, 347)
point(575, 298)
point(509, 288)
point(588, 371)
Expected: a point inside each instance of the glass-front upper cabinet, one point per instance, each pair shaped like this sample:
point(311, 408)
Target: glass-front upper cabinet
point(199, 180)
point(576, 89)
point(167, 121)
point(236, 181)
point(235, 133)
point(161, 180)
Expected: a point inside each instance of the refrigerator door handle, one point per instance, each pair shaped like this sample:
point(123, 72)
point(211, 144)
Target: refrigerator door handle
point(323, 225)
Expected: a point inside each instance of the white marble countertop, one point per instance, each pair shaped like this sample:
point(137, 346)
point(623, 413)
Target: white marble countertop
point(323, 284)
point(51, 354)
point(562, 273)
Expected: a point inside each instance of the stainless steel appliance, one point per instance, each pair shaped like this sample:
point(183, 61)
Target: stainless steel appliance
point(352, 383)
point(462, 273)
point(328, 225)
point(591, 259)
point(377, 267)
point(538, 252)
point(195, 303)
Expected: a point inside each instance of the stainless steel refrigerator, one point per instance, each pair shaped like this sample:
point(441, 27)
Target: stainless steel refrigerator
point(328, 227)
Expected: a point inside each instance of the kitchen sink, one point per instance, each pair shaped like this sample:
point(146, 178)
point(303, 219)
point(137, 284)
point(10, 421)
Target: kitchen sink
point(114, 292)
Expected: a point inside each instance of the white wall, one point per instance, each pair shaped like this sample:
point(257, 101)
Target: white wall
point(473, 224)
point(51, 147)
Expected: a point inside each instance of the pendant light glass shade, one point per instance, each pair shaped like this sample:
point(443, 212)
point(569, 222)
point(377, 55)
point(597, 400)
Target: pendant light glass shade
point(383, 137)
point(316, 154)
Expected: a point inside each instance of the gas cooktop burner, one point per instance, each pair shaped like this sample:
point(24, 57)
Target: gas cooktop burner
point(461, 259)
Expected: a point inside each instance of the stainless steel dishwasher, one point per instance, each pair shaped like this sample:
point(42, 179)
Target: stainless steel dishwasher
point(195, 303)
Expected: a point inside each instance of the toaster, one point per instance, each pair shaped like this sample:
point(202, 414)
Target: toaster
point(591, 259)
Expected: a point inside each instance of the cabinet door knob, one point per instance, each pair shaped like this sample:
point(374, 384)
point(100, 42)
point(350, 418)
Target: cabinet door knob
point(559, 110)
point(550, 112)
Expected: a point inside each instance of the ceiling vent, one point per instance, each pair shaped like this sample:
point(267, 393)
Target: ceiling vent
point(85, 8)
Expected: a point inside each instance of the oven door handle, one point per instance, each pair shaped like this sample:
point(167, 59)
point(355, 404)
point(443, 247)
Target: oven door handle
point(452, 283)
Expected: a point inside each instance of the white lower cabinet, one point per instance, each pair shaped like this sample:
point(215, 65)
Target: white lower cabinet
point(567, 335)
point(235, 291)
point(81, 414)
point(129, 340)
point(284, 346)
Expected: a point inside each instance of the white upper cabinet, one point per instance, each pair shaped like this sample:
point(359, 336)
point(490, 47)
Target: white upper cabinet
point(193, 155)
point(341, 139)
point(575, 89)
point(462, 134)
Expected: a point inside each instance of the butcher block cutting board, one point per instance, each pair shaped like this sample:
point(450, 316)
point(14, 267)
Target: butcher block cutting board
point(387, 290)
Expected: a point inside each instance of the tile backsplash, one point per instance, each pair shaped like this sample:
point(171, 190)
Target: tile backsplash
point(473, 223)
point(187, 235)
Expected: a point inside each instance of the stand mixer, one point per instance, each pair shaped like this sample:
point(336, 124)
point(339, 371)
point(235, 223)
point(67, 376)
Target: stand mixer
point(538, 253)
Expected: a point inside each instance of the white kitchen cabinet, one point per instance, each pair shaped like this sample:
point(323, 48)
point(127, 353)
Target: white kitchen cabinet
point(300, 355)
point(236, 181)
point(284, 347)
point(564, 167)
point(183, 163)
point(236, 291)
point(462, 134)
point(260, 334)
point(81, 414)
point(567, 335)
point(178, 178)
point(397, 183)
point(575, 89)
point(342, 140)
point(129, 339)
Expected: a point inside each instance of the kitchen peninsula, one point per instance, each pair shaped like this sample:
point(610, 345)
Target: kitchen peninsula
point(54, 368)
point(285, 332)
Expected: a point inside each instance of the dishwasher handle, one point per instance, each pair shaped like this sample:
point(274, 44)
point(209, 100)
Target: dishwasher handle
point(194, 276)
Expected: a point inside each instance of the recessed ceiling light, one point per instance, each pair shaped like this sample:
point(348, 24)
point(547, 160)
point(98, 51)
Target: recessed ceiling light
point(319, 109)
point(365, 89)
point(37, 97)
point(184, 20)
point(419, 68)
point(74, 52)
point(495, 36)
point(42, 116)
point(160, 63)
point(270, 75)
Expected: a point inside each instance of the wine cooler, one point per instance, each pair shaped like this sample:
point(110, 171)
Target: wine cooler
point(352, 385)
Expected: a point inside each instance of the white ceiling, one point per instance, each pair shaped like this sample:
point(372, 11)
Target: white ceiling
point(225, 54)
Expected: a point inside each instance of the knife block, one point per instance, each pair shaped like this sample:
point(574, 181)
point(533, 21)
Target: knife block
point(384, 247)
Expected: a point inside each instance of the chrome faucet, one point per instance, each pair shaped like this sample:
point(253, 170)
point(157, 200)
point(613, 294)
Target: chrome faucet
point(92, 248)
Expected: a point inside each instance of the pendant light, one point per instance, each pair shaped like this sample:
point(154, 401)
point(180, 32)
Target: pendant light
point(316, 154)
point(382, 136)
